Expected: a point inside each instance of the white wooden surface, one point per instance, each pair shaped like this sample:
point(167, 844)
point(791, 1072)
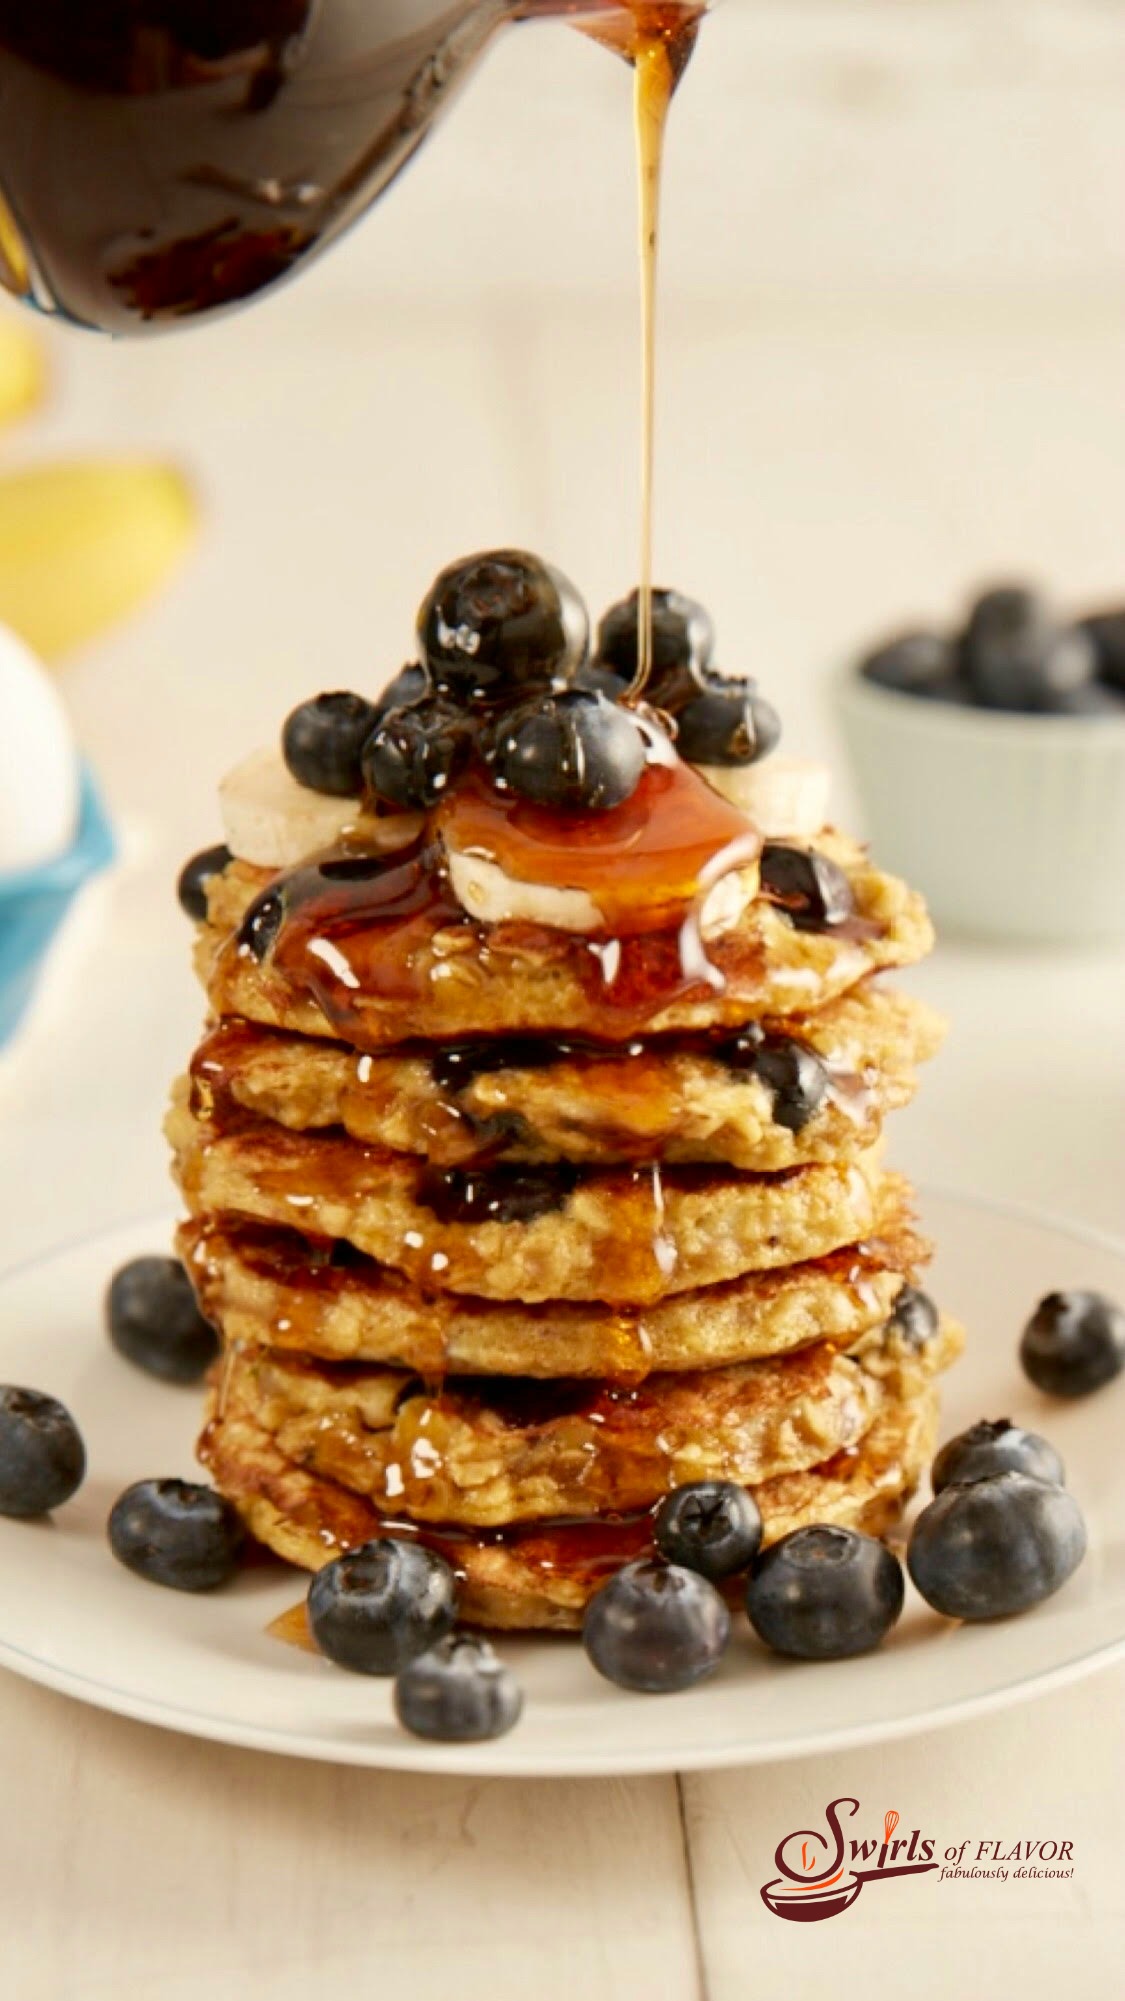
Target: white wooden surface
point(859, 417)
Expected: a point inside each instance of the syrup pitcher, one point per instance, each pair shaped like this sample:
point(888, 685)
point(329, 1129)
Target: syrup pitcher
point(161, 159)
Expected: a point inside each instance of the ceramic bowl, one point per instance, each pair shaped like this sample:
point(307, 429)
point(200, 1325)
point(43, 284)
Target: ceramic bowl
point(1012, 826)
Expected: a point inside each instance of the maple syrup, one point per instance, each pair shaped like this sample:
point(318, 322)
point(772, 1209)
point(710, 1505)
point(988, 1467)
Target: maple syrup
point(657, 38)
point(350, 926)
point(644, 864)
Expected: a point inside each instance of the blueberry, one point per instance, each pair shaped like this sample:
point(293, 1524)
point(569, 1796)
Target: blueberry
point(814, 893)
point(1073, 1343)
point(599, 680)
point(712, 1526)
point(191, 887)
point(176, 1533)
point(411, 684)
point(375, 1608)
point(822, 1593)
point(414, 754)
point(42, 1457)
point(995, 1446)
point(500, 625)
point(996, 1546)
point(656, 1627)
point(729, 725)
point(683, 640)
point(913, 663)
point(496, 1194)
point(322, 742)
point(796, 1077)
point(1016, 657)
point(574, 751)
point(1107, 630)
point(153, 1320)
point(790, 1070)
point(915, 1317)
point(261, 924)
point(458, 1692)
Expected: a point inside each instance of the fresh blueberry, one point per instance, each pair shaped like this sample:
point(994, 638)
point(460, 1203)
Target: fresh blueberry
point(153, 1320)
point(599, 680)
point(411, 684)
point(322, 742)
point(1107, 630)
point(683, 640)
point(176, 1533)
point(1073, 1343)
point(914, 1318)
point(731, 725)
point(913, 663)
point(996, 1546)
point(812, 890)
point(42, 1457)
point(501, 625)
point(574, 751)
point(413, 755)
point(458, 1692)
point(261, 924)
point(375, 1608)
point(995, 1446)
point(712, 1526)
point(1016, 657)
point(656, 1627)
point(191, 888)
point(822, 1593)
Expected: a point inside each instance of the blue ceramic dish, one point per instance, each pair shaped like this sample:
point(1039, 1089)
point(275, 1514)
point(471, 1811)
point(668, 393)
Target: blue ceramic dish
point(34, 901)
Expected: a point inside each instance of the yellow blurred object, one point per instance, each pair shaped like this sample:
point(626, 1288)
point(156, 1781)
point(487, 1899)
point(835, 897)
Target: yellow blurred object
point(23, 374)
point(83, 543)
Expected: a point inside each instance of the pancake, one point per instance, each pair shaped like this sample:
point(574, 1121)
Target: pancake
point(542, 1577)
point(265, 1285)
point(616, 1235)
point(486, 1453)
point(437, 974)
point(535, 1101)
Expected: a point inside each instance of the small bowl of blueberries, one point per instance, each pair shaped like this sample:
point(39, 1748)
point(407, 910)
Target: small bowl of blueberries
point(990, 761)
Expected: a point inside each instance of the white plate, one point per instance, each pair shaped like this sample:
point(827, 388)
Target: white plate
point(72, 1618)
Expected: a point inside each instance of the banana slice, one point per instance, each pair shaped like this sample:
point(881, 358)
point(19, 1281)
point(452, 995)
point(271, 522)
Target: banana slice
point(785, 797)
point(270, 820)
point(493, 897)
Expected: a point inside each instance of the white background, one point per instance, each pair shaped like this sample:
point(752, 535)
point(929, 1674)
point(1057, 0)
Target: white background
point(891, 365)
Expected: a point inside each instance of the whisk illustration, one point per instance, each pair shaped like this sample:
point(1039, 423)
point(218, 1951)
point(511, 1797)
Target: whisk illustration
point(838, 1886)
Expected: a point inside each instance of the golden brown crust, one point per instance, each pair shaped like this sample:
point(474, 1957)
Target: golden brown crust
point(261, 1285)
point(618, 1235)
point(485, 1453)
point(539, 1580)
point(655, 1102)
point(468, 979)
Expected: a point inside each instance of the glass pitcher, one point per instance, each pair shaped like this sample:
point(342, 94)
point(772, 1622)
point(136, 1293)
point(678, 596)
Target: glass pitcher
point(161, 159)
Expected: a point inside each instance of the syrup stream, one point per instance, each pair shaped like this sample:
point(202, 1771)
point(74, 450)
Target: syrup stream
point(657, 38)
point(655, 82)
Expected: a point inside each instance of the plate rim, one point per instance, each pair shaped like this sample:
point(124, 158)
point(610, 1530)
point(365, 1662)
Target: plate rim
point(496, 1759)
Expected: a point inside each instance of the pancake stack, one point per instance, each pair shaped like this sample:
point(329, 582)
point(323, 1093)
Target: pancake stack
point(509, 1230)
